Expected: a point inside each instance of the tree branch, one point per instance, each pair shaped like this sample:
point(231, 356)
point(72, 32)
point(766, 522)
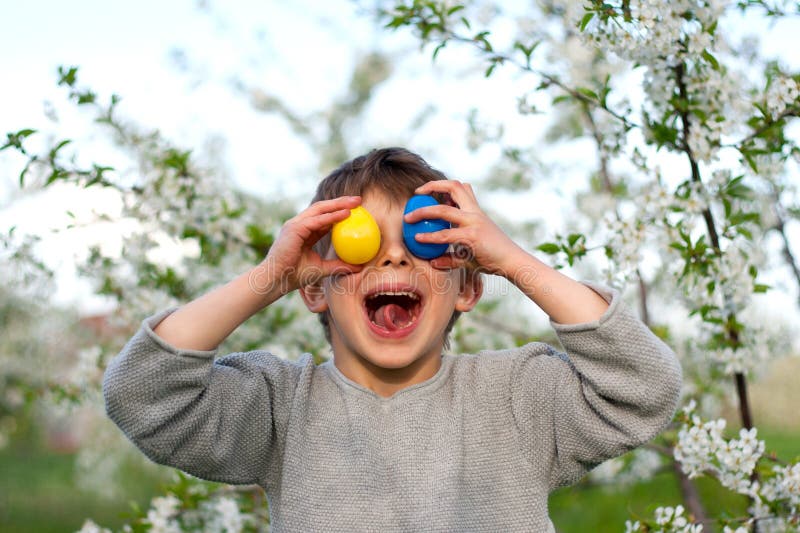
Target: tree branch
point(549, 78)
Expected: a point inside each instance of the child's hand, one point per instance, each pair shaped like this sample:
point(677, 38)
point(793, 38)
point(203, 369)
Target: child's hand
point(476, 238)
point(291, 261)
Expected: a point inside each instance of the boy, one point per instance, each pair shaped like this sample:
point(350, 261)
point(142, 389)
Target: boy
point(392, 435)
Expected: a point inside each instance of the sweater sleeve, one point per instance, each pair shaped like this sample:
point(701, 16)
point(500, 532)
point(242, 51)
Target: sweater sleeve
point(616, 387)
point(217, 420)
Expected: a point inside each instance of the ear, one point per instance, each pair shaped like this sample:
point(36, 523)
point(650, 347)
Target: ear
point(313, 296)
point(471, 289)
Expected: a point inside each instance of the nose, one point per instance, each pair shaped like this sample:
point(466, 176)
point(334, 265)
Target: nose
point(393, 250)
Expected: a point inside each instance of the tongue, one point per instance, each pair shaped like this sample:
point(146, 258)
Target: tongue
point(392, 317)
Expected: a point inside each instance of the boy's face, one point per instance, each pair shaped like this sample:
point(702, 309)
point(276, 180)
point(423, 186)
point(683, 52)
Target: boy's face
point(391, 315)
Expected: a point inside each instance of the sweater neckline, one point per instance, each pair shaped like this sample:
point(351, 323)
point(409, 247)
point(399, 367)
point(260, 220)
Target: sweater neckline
point(418, 389)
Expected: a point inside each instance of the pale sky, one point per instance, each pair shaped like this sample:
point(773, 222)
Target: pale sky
point(302, 51)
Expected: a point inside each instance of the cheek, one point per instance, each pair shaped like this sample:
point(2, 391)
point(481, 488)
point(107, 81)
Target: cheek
point(444, 284)
point(341, 292)
point(444, 296)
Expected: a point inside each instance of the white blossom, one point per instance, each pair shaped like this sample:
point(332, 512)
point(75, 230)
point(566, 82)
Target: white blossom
point(702, 448)
point(90, 527)
point(672, 520)
point(160, 515)
point(224, 516)
point(625, 242)
point(782, 91)
point(86, 370)
point(643, 464)
point(632, 527)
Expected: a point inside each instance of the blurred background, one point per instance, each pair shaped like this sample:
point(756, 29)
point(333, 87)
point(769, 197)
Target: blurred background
point(206, 125)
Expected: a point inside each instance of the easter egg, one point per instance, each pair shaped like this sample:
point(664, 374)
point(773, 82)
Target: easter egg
point(424, 250)
point(357, 238)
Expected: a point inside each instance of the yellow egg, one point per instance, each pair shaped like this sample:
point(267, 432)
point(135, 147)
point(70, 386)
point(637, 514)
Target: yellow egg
point(357, 238)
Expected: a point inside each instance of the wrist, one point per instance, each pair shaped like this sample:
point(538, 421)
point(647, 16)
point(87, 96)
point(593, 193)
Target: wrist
point(269, 282)
point(521, 268)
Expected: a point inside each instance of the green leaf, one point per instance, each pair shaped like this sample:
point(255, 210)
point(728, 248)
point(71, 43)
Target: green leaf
point(588, 93)
point(606, 90)
point(481, 38)
point(25, 171)
point(86, 97)
point(67, 76)
point(750, 161)
point(737, 189)
point(454, 9)
point(663, 134)
point(260, 240)
point(395, 22)
point(59, 146)
point(585, 20)
point(711, 59)
point(699, 113)
point(436, 51)
point(549, 248)
point(15, 139)
point(744, 232)
point(177, 159)
point(761, 287)
point(57, 174)
point(573, 238)
point(24, 133)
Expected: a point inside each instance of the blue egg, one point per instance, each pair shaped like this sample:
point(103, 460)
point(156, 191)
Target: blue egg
point(424, 250)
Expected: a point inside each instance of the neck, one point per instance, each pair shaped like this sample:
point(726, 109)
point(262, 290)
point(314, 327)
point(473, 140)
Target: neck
point(385, 382)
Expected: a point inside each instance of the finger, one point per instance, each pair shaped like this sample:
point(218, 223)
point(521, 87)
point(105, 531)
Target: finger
point(312, 229)
point(323, 222)
point(452, 260)
point(326, 206)
point(455, 188)
point(440, 237)
point(446, 199)
point(445, 262)
point(471, 192)
point(445, 212)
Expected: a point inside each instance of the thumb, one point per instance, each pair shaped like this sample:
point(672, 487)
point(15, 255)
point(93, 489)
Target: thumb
point(332, 267)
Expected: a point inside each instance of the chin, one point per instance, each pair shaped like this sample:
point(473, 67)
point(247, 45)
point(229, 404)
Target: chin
point(388, 361)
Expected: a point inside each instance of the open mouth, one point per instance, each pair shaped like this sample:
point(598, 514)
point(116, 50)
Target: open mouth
point(393, 312)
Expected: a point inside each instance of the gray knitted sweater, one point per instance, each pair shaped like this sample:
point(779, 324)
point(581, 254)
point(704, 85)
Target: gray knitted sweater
point(477, 447)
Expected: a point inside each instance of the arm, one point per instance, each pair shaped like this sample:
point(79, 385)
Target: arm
point(205, 322)
point(219, 420)
point(616, 386)
point(492, 251)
